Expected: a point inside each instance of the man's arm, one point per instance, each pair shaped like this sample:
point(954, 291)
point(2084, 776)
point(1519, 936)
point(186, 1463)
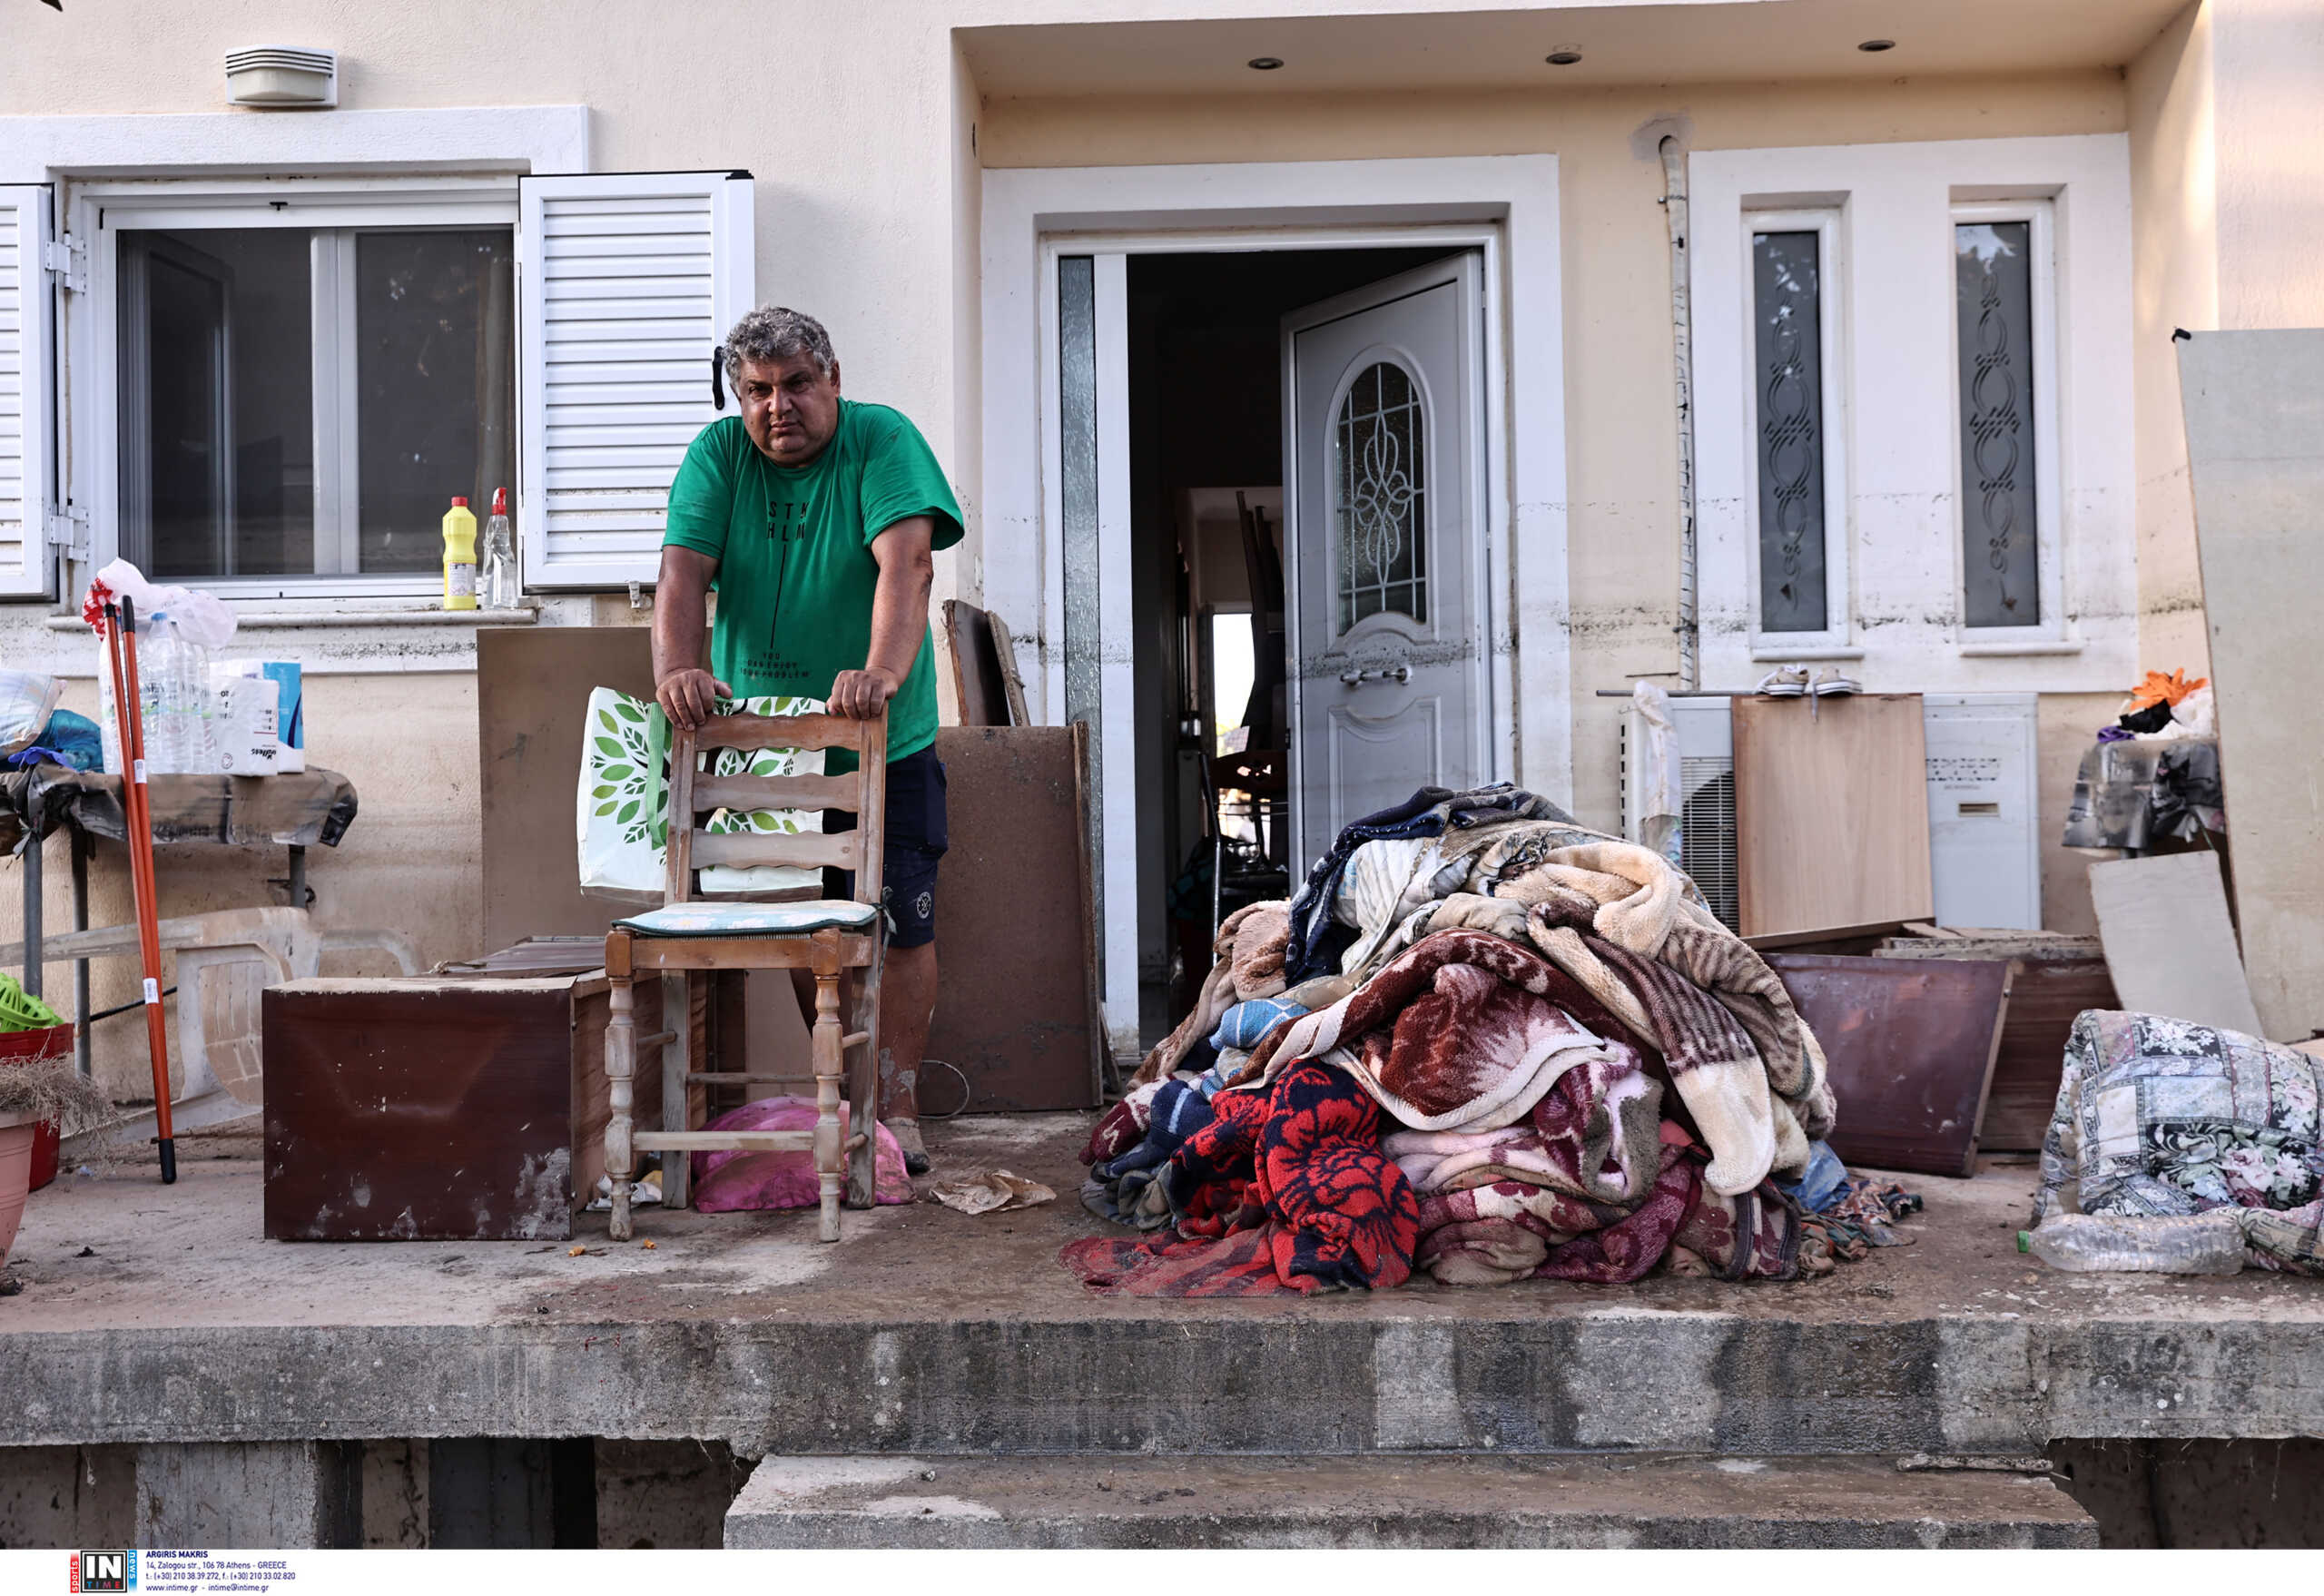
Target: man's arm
point(907, 557)
point(686, 691)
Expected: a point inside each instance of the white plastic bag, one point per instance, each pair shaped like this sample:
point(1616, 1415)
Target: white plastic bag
point(27, 698)
point(622, 801)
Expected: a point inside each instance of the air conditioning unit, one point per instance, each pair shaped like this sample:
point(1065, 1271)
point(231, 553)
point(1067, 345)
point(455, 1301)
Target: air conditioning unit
point(1706, 751)
point(1984, 814)
point(282, 77)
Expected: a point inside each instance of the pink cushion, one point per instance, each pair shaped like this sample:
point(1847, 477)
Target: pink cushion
point(732, 1182)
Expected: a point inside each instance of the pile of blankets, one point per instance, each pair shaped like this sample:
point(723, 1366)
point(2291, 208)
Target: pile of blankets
point(1487, 1043)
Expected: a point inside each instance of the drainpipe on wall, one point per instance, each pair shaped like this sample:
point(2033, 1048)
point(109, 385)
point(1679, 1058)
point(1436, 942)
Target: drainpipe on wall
point(1674, 209)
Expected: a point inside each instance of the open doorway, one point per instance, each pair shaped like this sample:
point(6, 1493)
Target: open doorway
point(1361, 513)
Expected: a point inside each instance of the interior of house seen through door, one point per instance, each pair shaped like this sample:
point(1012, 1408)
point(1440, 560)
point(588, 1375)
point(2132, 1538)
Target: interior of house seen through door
point(1306, 533)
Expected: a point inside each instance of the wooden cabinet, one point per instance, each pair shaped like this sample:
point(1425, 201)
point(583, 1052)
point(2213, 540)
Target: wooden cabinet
point(466, 1105)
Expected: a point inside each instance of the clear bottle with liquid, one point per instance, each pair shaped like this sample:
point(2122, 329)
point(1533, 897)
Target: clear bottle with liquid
point(2177, 1244)
point(501, 588)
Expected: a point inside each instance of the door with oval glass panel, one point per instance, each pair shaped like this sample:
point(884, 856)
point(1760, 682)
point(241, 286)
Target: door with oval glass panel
point(1383, 526)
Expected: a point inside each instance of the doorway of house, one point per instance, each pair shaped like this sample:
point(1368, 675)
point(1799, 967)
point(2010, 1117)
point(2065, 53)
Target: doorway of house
point(1307, 515)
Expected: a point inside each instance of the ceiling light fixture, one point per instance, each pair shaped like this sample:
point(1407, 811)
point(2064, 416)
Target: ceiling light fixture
point(1873, 46)
point(1264, 63)
point(1564, 56)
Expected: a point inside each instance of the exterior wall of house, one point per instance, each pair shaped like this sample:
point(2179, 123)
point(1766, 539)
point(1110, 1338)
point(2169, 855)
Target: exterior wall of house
point(1620, 430)
point(868, 136)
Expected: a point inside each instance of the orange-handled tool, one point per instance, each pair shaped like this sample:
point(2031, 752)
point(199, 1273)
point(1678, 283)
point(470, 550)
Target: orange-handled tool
point(120, 634)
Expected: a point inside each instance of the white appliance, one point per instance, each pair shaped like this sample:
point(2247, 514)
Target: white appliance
point(1984, 844)
point(1983, 817)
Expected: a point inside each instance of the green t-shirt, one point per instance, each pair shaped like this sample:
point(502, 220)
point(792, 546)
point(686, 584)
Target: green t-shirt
point(793, 546)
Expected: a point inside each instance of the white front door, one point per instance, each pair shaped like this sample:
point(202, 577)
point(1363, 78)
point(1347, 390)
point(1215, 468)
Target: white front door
point(1384, 517)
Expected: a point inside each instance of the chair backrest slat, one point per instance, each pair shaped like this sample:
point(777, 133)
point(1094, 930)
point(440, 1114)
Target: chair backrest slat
point(864, 792)
point(752, 792)
point(785, 731)
point(806, 850)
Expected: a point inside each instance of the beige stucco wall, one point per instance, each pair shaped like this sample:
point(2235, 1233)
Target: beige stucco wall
point(868, 137)
point(2227, 168)
point(2174, 205)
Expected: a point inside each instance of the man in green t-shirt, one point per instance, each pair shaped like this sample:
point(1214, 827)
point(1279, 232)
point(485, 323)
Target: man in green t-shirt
point(816, 518)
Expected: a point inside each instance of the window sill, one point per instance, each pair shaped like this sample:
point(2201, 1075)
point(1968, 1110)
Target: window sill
point(294, 620)
point(1778, 654)
point(2030, 648)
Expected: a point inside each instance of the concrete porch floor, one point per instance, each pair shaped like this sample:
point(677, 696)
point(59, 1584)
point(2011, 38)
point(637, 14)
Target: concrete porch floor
point(153, 1313)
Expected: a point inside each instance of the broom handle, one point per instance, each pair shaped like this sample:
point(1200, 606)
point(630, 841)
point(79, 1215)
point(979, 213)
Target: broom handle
point(142, 889)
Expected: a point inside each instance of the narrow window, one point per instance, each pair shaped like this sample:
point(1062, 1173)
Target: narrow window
point(1788, 390)
point(1994, 303)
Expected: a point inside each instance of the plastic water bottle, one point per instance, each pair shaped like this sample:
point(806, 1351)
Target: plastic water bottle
point(2175, 1244)
point(501, 589)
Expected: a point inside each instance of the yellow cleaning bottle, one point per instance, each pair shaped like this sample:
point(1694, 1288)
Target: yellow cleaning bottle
point(459, 556)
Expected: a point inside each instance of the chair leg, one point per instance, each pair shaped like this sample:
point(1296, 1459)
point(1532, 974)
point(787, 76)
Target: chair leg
point(677, 1015)
point(621, 1065)
point(863, 1094)
point(828, 1064)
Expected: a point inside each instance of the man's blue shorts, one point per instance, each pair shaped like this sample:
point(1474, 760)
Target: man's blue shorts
point(917, 835)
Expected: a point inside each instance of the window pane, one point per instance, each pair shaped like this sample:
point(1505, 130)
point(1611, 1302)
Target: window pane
point(1788, 313)
point(1378, 472)
point(216, 397)
point(1994, 277)
point(436, 372)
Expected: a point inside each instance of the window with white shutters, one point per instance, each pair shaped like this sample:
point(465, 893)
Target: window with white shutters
point(625, 284)
point(27, 307)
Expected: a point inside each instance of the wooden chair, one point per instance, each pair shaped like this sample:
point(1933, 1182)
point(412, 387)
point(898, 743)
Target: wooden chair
point(824, 936)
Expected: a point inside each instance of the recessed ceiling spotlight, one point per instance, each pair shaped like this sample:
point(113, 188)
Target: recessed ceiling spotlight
point(1873, 46)
point(1563, 55)
point(1264, 63)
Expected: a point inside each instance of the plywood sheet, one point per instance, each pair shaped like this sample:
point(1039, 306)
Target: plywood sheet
point(1016, 1006)
point(2255, 405)
point(2169, 943)
point(1831, 812)
point(533, 687)
point(978, 674)
point(1911, 1045)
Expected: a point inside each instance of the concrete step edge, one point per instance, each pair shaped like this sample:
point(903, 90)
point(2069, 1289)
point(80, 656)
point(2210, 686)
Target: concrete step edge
point(1378, 1500)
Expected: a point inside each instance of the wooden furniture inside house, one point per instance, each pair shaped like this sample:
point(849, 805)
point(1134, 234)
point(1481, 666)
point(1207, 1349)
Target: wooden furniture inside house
point(832, 939)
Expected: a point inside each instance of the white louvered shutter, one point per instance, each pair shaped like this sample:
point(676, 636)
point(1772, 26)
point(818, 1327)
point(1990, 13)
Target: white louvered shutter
point(627, 281)
point(27, 431)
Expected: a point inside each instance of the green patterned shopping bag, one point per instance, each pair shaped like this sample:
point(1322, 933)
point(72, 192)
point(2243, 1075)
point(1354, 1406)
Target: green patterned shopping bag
point(623, 808)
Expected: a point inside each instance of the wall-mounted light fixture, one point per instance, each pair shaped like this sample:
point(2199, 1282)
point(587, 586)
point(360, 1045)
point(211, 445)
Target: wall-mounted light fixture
point(1264, 62)
point(1564, 56)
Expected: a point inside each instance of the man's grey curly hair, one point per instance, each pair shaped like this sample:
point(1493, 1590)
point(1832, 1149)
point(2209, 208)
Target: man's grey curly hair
point(775, 332)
